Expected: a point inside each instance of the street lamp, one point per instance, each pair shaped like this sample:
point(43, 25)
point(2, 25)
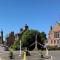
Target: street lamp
point(20, 48)
point(20, 40)
point(46, 50)
point(36, 43)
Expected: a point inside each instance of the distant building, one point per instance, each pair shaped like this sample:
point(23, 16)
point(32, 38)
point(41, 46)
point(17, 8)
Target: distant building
point(10, 39)
point(54, 35)
point(13, 38)
point(17, 36)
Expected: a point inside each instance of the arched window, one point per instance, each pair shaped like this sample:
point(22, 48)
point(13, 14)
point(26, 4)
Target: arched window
point(57, 41)
point(54, 41)
point(51, 41)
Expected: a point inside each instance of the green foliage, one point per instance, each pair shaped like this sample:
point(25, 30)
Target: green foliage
point(15, 47)
point(43, 36)
point(28, 37)
point(53, 48)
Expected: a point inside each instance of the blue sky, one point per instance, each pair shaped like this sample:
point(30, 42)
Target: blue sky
point(38, 14)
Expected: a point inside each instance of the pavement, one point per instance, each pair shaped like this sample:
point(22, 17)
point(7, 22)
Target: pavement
point(35, 55)
point(5, 56)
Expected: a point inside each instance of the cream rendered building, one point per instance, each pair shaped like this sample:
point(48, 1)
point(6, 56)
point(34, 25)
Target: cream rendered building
point(54, 35)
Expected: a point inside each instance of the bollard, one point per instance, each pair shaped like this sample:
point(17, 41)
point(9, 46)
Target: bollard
point(42, 55)
point(51, 58)
point(24, 55)
point(11, 55)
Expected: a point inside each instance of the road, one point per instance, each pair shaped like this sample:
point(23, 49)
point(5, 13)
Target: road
point(4, 55)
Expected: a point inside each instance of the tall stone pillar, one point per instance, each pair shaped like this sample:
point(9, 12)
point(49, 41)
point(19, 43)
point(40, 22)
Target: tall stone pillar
point(1, 37)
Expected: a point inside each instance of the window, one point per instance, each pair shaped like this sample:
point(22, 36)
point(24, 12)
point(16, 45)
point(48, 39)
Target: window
point(56, 34)
point(51, 41)
point(54, 41)
point(57, 41)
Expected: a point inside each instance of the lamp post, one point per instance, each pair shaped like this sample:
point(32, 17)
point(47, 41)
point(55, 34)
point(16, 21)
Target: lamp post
point(20, 48)
point(36, 43)
point(20, 40)
point(46, 50)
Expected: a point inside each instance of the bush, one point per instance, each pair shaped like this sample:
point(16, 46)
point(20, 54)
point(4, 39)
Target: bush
point(53, 48)
point(15, 47)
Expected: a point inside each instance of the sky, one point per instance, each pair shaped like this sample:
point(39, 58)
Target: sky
point(37, 14)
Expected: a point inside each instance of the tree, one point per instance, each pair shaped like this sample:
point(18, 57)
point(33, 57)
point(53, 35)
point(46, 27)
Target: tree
point(28, 38)
point(41, 39)
point(10, 39)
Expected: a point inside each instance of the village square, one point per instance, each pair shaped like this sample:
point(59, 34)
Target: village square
point(29, 29)
point(12, 48)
